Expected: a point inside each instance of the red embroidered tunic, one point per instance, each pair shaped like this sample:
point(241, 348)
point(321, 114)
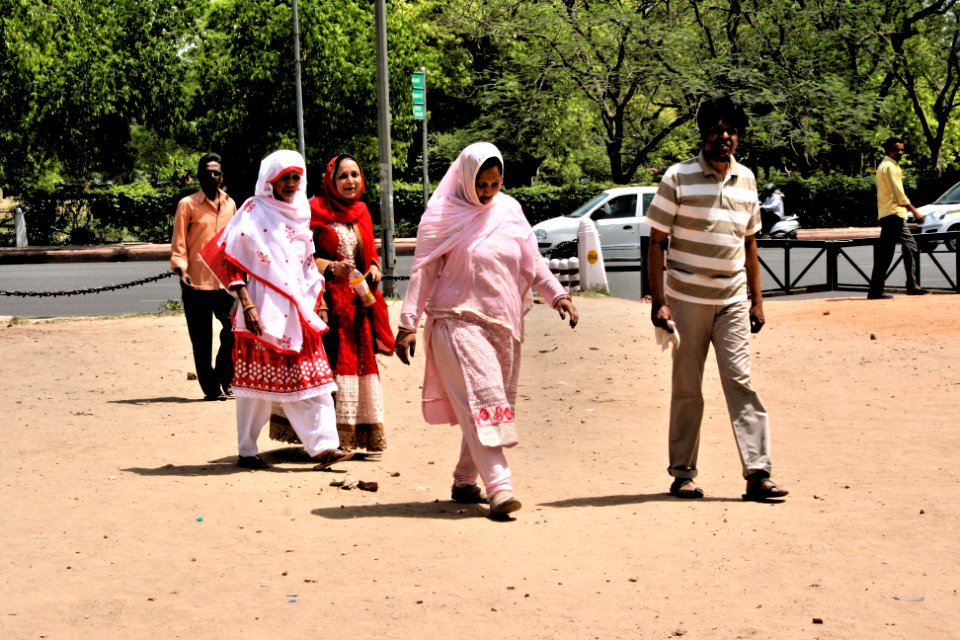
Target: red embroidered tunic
point(263, 372)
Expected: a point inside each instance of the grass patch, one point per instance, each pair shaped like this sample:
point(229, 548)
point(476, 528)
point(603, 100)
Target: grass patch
point(170, 307)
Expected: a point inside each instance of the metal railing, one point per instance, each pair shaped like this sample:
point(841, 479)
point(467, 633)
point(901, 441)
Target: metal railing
point(831, 254)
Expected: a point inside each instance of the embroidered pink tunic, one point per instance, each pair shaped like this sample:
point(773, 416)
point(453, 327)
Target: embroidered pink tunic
point(475, 269)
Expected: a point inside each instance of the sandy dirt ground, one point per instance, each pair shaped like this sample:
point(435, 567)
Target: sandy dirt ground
point(123, 514)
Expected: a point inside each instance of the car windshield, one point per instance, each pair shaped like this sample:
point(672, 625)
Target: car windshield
point(594, 201)
point(952, 196)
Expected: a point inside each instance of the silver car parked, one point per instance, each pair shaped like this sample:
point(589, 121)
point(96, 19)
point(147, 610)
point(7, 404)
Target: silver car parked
point(620, 216)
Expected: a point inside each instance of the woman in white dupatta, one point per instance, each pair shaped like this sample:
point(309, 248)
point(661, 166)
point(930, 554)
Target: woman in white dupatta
point(264, 256)
point(475, 265)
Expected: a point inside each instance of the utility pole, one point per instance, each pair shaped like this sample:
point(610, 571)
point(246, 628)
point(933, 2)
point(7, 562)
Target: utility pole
point(386, 154)
point(296, 66)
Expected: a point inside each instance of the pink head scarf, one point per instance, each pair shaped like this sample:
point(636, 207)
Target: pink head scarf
point(454, 217)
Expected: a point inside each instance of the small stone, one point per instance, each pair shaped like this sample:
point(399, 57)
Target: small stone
point(818, 621)
point(873, 336)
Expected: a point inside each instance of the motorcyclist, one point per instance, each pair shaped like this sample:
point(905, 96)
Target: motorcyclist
point(771, 209)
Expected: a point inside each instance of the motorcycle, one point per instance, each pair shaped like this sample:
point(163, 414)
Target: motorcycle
point(785, 228)
point(777, 225)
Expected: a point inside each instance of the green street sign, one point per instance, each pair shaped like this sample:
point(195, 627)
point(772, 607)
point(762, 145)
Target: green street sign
point(419, 96)
point(419, 112)
point(417, 81)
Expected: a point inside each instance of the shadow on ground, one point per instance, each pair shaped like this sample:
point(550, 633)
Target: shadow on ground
point(228, 465)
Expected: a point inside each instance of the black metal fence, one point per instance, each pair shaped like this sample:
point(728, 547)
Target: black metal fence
point(828, 257)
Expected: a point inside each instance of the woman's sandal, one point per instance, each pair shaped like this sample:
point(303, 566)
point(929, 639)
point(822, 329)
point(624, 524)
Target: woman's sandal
point(332, 457)
point(677, 490)
point(764, 489)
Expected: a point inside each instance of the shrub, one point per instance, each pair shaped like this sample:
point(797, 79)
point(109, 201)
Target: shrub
point(73, 215)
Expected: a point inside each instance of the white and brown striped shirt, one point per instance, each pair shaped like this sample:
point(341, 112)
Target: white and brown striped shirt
point(707, 218)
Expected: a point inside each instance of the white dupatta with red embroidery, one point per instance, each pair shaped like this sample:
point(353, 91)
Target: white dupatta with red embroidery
point(270, 240)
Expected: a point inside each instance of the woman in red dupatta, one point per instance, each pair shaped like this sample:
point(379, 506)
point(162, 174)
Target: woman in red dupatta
point(343, 235)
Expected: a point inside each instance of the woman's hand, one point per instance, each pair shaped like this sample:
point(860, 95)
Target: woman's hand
point(374, 272)
point(250, 316)
point(252, 319)
point(324, 316)
point(565, 306)
point(406, 341)
point(342, 268)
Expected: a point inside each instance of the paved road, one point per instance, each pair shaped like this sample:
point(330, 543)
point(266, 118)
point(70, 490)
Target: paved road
point(623, 279)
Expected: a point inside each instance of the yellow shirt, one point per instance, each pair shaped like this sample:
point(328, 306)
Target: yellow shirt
point(198, 219)
point(891, 199)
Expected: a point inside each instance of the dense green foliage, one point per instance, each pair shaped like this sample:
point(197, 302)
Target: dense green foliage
point(577, 93)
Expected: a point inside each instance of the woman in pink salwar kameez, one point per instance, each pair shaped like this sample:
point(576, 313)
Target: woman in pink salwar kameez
point(474, 271)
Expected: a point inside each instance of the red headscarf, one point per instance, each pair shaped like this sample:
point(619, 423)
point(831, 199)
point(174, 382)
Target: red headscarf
point(330, 206)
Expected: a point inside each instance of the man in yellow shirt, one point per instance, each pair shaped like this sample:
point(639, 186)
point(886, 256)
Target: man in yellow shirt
point(892, 207)
point(198, 219)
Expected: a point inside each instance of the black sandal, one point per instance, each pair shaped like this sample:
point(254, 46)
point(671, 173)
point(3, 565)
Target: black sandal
point(677, 490)
point(763, 489)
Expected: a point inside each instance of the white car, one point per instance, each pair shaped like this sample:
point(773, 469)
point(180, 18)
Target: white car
point(943, 215)
point(620, 216)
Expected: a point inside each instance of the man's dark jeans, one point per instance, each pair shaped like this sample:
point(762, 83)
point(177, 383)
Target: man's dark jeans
point(893, 230)
point(200, 307)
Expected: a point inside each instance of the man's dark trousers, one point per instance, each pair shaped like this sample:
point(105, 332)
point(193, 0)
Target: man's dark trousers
point(200, 307)
point(894, 230)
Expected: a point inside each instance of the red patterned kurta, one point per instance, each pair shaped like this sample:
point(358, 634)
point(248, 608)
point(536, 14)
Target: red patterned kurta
point(264, 372)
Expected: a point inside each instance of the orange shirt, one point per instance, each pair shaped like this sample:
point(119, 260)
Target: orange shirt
point(197, 220)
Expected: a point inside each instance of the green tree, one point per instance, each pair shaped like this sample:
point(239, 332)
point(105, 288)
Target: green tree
point(245, 104)
point(925, 44)
point(583, 71)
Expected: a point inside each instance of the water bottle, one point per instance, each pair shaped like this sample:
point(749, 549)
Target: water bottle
point(359, 284)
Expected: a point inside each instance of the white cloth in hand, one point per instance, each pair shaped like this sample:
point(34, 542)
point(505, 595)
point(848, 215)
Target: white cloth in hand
point(666, 338)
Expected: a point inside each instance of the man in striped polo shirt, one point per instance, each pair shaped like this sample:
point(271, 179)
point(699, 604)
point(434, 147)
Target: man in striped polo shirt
point(707, 210)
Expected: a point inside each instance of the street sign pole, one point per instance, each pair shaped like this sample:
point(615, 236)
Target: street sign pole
point(426, 162)
point(418, 93)
point(386, 154)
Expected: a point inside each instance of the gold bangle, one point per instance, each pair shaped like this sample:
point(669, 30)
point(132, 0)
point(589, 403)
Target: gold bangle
point(248, 307)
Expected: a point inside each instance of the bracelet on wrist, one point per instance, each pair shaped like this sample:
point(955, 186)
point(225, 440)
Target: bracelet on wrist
point(557, 300)
point(248, 307)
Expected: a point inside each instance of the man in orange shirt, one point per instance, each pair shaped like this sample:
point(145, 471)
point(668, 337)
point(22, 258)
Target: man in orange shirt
point(199, 218)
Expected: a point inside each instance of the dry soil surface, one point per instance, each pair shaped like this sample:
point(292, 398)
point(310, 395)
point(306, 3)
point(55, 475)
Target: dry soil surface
point(124, 514)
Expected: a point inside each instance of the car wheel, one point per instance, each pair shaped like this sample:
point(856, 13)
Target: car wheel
point(951, 243)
